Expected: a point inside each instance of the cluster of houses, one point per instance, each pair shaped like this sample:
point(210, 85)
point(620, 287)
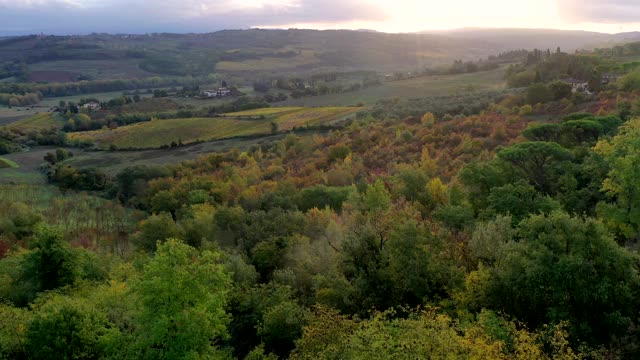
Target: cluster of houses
point(218, 93)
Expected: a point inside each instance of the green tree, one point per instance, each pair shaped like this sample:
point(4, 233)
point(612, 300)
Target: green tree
point(561, 268)
point(621, 211)
point(52, 263)
point(560, 90)
point(157, 228)
point(537, 161)
point(538, 93)
point(182, 295)
point(67, 328)
point(281, 326)
point(519, 200)
point(377, 198)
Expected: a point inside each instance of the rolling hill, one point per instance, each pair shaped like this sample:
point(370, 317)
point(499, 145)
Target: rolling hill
point(259, 51)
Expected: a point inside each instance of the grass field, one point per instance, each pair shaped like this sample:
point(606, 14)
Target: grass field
point(157, 133)
point(422, 87)
point(39, 121)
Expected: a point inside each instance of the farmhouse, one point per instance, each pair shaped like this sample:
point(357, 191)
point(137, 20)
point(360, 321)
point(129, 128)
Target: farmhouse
point(92, 106)
point(577, 85)
point(608, 79)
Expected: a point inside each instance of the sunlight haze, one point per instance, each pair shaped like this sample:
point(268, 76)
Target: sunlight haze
point(50, 16)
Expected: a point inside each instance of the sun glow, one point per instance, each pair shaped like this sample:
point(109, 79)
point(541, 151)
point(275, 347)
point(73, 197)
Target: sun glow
point(418, 15)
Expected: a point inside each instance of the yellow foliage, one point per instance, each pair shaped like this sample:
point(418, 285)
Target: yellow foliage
point(427, 163)
point(438, 192)
point(428, 119)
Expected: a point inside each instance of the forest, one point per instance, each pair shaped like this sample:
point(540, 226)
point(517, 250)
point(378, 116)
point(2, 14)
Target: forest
point(474, 225)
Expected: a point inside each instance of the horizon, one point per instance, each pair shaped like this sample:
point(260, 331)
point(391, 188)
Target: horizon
point(418, 32)
point(77, 17)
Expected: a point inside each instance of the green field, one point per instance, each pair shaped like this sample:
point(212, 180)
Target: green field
point(421, 87)
point(6, 163)
point(157, 133)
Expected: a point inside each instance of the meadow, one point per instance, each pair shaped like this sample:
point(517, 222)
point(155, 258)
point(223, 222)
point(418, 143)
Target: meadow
point(158, 133)
point(95, 69)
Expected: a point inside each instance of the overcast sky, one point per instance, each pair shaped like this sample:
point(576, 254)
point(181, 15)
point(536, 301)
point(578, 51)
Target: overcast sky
point(138, 16)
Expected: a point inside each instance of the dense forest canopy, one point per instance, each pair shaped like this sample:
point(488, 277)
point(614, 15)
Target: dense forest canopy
point(498, 224)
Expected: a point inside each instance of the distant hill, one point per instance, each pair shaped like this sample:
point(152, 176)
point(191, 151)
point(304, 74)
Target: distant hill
point(257, 52)
point(568, 40)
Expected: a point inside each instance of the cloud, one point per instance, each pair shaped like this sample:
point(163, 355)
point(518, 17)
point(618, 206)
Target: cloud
point(599, 11)
point(138, 16)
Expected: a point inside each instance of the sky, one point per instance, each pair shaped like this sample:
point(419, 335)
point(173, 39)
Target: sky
point(140, 16)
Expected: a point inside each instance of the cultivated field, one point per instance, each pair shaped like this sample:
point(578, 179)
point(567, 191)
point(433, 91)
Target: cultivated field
point(111, 162)
point(157, 133)
point(39, 121)
point(265, 112)
point(421, 87)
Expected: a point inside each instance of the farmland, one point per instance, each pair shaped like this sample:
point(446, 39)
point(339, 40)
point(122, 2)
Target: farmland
point(111, 162)
point(157, 133)
point(39, 121)
point(420, 87)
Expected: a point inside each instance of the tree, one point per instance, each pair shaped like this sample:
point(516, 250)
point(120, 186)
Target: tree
point(543, 132)
point(560, 90)
point(424, 335)
point(53, 263)
point(67, 328)
point(156, 229)
point(621, 211)
point(537, 161)
point(182, 294)
point(519, 200)
point(428, 119)
point(281, 326)
point(377, 198)
point(20, 221)
point(538, 93)
point(164, 201)
point(562, 268)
